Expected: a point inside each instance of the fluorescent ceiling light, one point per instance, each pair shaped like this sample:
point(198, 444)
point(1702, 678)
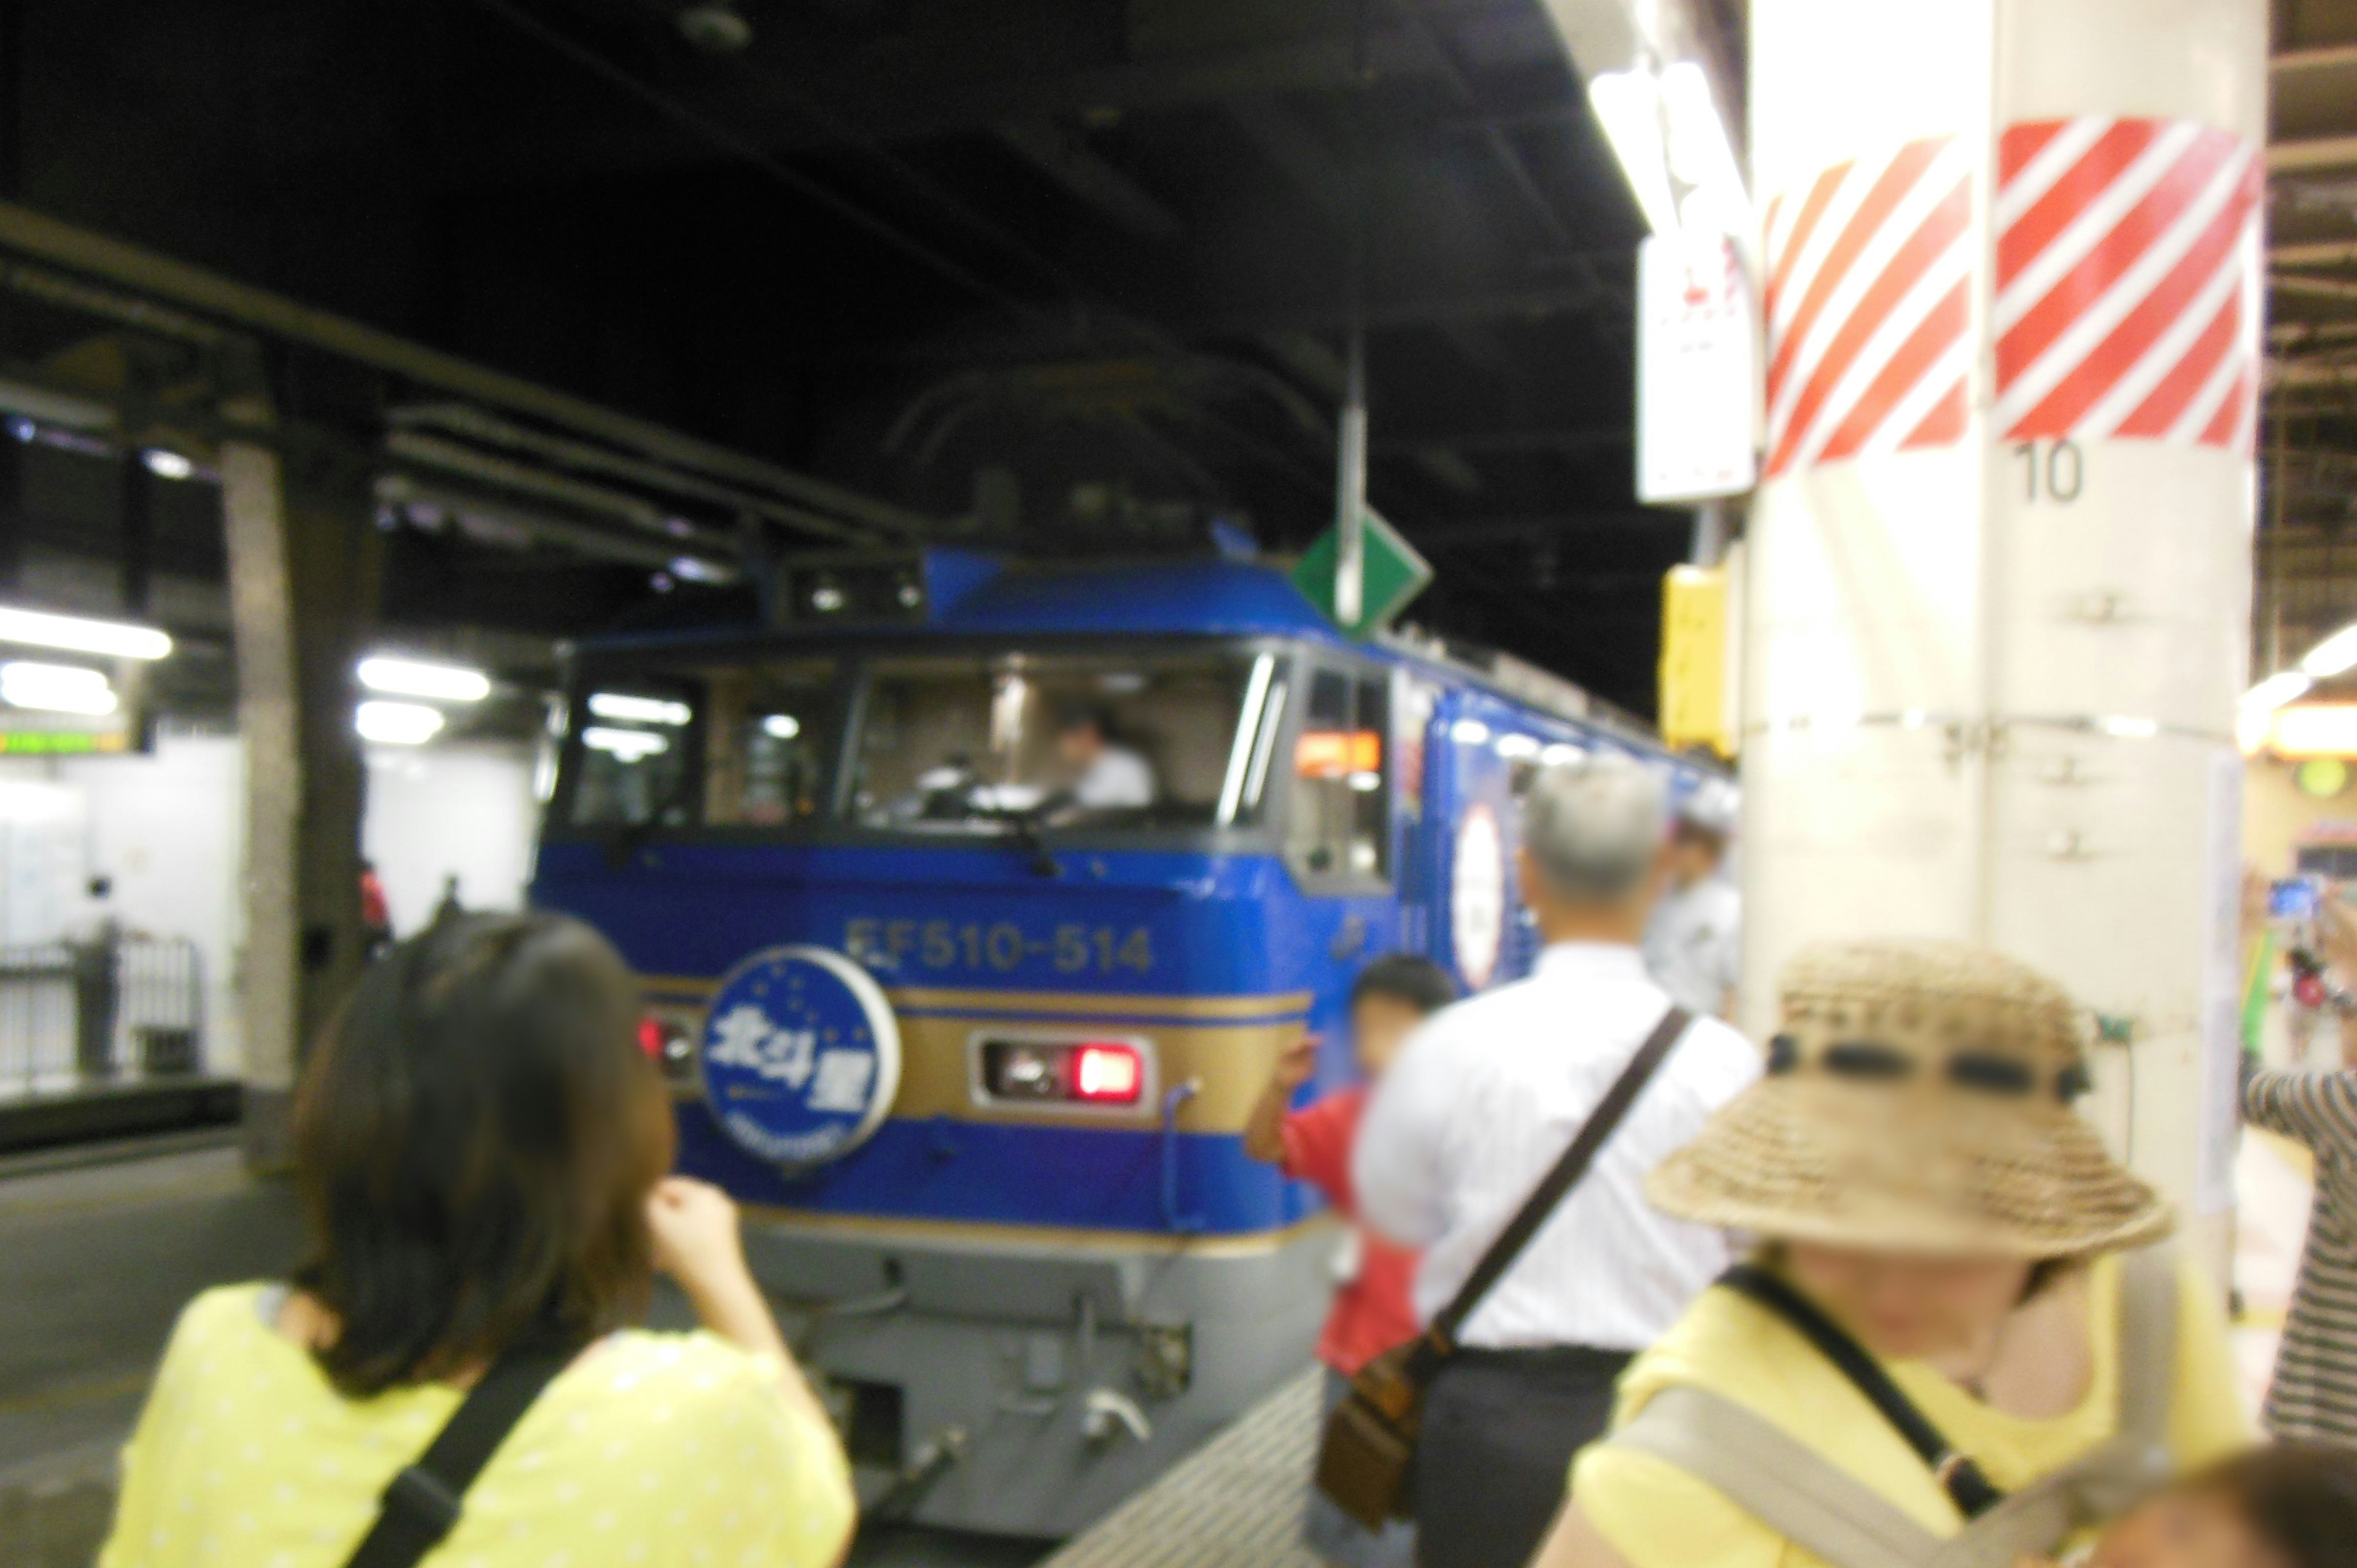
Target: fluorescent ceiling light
point(1470, 732)
point(55, 688)
point(629, 744)
point(2275, 691)
point(1517, 748)
point(2335, 655)
point(165, 464)
point(2319, 729)
point(639, 710)
point(54, 408)
point(75, 634)
point(397, 724)
point(1561, 752)
point(1628, 105)
point(1700, 156)
point(415, 678)
point(2251, 727)
point(783, 726)
point(2127, 728)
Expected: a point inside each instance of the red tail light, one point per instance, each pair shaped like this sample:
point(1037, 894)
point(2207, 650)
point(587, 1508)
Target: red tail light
point(651, 1038)
point(1093, 1074)
point(1107, 1075)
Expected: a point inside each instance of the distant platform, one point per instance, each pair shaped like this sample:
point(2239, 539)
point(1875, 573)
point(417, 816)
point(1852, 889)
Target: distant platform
point(1235, 1502)
point(70, 1111)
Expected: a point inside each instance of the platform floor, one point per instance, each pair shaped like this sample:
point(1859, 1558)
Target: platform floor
point(100, 1254)
point(1234, 1503)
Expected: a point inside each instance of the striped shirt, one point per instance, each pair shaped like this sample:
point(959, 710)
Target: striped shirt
point(2314, 1391)
point(1483, 1099)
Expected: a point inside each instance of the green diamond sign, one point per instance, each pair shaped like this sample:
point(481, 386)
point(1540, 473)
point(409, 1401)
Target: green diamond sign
point(1394, 574)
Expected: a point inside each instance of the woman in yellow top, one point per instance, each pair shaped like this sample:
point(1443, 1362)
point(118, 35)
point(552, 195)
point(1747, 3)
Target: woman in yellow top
point(481, 1148)
point(1922, 1189)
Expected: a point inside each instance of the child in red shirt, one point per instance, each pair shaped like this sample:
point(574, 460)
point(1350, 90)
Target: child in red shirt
point(1371, 1310)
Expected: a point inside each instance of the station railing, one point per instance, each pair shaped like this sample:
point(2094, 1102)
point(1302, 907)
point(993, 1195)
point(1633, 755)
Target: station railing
point(83, 1017)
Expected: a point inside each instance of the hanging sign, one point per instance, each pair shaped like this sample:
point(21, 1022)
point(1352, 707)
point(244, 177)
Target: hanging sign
point(1697, 371)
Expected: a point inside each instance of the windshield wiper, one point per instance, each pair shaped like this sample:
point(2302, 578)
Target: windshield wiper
point(624, 846)
point(1031, 832)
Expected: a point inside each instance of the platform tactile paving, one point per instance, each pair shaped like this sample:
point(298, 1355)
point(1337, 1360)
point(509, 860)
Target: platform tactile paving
point(1233, 1503)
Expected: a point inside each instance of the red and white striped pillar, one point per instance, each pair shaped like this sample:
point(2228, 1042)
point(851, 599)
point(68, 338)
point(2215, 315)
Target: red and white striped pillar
point(1999, 562)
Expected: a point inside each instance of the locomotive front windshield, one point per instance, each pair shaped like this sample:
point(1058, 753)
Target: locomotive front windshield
point(941, 744)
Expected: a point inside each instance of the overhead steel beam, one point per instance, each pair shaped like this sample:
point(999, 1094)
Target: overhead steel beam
point(409, 487)
point(2291, 63)
point(2321, 289)
point(1539, 438)
point(2329, 254)
point(474, 424)
point(37, 235)
point(2317, 153)
point(1502, 302)
point(1446, 468)
point(1097, 183)
point(896, 104)
point(1452, 532)
point(2300, 333)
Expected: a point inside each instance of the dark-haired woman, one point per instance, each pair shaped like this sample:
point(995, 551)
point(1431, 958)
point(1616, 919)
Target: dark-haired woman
point(480, 1146)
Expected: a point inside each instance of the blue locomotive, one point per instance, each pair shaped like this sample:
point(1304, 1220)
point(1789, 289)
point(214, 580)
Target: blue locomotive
point(975, 901)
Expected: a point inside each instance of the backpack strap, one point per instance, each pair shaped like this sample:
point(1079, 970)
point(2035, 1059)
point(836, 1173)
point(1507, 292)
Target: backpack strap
point(1778, 1480)
point(2148, 1345)
point(1818, 1506)
point(2118, 1472)
point(423, 1502)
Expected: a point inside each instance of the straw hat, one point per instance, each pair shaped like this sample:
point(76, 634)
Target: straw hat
point(1918, 1098)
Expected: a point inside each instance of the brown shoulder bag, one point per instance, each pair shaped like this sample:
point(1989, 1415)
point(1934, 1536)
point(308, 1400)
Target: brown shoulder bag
point(1369, 1446)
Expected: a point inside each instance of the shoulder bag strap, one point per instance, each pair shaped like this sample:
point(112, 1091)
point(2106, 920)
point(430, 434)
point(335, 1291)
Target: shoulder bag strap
point(2117, 1475)
point(1777, 1479)
point(423, 1502)
point(1971, 1491)
point(2148, 1344)
point(1536, 1209)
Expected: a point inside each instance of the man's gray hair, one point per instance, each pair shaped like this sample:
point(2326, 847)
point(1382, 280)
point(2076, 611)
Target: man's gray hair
point(1593, 827)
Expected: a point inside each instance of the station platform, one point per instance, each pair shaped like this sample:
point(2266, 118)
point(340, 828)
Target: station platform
point(1235, 1502)
point(105, 1245)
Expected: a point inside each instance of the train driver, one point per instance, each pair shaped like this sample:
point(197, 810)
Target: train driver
point(1107, 776)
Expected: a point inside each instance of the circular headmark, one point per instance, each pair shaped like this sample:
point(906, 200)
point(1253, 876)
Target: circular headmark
point(1477, 896)
point(802, 1055)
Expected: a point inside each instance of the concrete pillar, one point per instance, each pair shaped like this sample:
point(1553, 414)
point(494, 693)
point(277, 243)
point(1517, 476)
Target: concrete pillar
point(1998, 566)
point(303, 560)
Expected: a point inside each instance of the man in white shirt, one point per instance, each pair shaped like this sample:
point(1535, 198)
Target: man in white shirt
point(1106, 774)
point(1478, 1108)
point(1694, 945)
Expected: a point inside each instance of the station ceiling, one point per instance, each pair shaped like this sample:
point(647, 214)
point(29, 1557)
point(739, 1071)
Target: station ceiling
point(1069, 274)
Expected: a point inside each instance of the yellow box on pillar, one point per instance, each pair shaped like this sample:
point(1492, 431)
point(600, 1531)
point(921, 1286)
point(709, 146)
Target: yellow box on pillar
point(1696, 701)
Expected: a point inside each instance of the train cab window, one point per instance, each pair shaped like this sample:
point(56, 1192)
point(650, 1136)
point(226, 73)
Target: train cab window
point(631, 768)
point(984, 743)
point(728, 746)
point(1340, 821)
point(770, 737)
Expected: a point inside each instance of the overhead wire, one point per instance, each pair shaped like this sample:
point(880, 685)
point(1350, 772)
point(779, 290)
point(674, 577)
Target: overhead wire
point(1084, 326)
point(750, 153)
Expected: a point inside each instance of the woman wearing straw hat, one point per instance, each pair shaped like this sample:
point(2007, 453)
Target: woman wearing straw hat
point(1956, 1346)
